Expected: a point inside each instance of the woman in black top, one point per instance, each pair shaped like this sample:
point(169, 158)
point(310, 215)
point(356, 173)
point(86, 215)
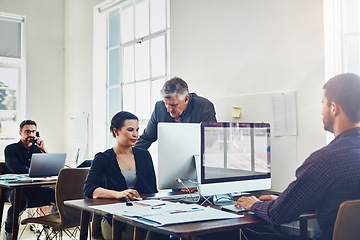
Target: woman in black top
point(122, 171)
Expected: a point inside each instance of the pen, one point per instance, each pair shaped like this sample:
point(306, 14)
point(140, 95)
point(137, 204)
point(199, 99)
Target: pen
point(143, 204)
point(184, 211)
point(157, 206)
point(148, 205)
point(177, 211)
point(21, 181)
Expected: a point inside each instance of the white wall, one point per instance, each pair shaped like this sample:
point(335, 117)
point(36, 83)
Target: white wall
point(225, 49)
point(59, 65)
point(221, 48)
point(78, 67)
point(45, 66)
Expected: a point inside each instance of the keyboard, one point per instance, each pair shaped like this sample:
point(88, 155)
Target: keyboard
point(193, 198)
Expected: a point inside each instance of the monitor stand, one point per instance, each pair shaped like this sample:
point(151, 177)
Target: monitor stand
point(218, 199)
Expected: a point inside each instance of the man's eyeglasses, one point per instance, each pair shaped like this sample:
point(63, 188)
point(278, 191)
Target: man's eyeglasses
point(27, 132)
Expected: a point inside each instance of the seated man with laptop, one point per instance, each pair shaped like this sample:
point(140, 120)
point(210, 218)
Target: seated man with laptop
point(17, 159)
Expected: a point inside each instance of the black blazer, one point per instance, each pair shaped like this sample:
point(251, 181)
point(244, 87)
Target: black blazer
point(105, 172)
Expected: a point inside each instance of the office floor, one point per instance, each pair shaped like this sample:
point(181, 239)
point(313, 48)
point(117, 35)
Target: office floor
point(24, 232)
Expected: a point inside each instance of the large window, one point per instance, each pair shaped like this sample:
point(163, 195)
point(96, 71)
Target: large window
point(137, 57)
point(342, 39)
point(12, 78)
point(342, 36)
point(350, 33)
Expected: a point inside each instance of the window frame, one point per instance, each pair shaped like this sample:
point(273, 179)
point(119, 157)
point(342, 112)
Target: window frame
point(20, 65)
point(101, 86)
point(347, 36)
point(334, 40)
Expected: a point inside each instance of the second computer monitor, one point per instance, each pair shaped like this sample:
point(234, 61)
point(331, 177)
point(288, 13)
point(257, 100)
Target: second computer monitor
point(235, 157)
point(230, 156)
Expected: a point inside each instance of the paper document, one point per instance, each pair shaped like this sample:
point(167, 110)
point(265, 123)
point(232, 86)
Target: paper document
point(24, 178)
point(157, 212)
point(11, 176)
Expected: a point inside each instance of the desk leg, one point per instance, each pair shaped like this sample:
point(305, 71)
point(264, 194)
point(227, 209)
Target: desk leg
point(139, 233)
point(303, 228)
point(116, 230)
point(16, 212)
point(2, 201)
point(84, 224)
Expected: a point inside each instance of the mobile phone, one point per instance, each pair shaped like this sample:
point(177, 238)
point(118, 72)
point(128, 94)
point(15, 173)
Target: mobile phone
point(37, 134)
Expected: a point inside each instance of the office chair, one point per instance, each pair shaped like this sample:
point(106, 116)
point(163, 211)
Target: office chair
point(3, 168)
point(69, 186)
point(85, 164)
point(347, 224)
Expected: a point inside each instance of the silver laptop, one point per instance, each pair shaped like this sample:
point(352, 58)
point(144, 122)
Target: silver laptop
point(46, 164)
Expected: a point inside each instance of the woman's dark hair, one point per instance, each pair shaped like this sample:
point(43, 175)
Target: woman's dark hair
point(27, 122)
point(118, 120)
point(344, 89)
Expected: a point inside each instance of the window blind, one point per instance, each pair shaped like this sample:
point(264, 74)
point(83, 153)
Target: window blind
point(10, 36)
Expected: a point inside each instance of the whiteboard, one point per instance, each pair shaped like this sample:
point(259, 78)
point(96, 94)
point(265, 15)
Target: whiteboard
point(78, 139)
point(278, 109)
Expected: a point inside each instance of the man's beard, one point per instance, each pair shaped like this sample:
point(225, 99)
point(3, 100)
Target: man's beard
point(29, 140)
point(328, 123)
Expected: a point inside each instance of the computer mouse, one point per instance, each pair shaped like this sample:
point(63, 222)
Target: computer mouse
point(233, 208)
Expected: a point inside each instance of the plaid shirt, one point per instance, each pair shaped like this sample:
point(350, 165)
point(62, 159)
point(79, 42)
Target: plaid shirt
point(328, 177)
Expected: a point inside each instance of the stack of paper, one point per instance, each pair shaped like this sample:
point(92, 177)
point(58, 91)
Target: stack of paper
point(159, 212)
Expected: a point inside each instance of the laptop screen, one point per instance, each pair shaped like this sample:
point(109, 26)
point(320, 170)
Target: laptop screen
point(46, 164)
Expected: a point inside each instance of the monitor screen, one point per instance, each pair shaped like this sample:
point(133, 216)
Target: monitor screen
point(177, 144)
point(235, 157)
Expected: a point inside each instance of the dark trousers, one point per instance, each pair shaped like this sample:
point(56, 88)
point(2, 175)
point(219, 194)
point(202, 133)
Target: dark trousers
point(30, 197)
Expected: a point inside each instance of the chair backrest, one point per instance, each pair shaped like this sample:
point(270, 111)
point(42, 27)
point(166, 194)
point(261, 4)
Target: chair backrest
point(70, 186)
point(3, 168)
point(347, 224)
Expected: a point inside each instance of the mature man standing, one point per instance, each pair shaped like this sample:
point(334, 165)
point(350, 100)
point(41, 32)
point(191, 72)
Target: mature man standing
point(178, 106)
point(17, 160)
point(328, 176)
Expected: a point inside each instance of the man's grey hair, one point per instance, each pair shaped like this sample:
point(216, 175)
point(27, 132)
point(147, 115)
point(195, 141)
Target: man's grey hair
point(175, 86)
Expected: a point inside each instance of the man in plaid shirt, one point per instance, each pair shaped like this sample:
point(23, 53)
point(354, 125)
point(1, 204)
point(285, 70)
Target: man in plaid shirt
point(328, 176)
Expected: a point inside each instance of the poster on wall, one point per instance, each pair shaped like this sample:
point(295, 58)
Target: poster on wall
point(283, 106)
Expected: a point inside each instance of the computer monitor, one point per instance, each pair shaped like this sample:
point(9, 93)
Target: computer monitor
point(177, 144)
point(235, 157)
